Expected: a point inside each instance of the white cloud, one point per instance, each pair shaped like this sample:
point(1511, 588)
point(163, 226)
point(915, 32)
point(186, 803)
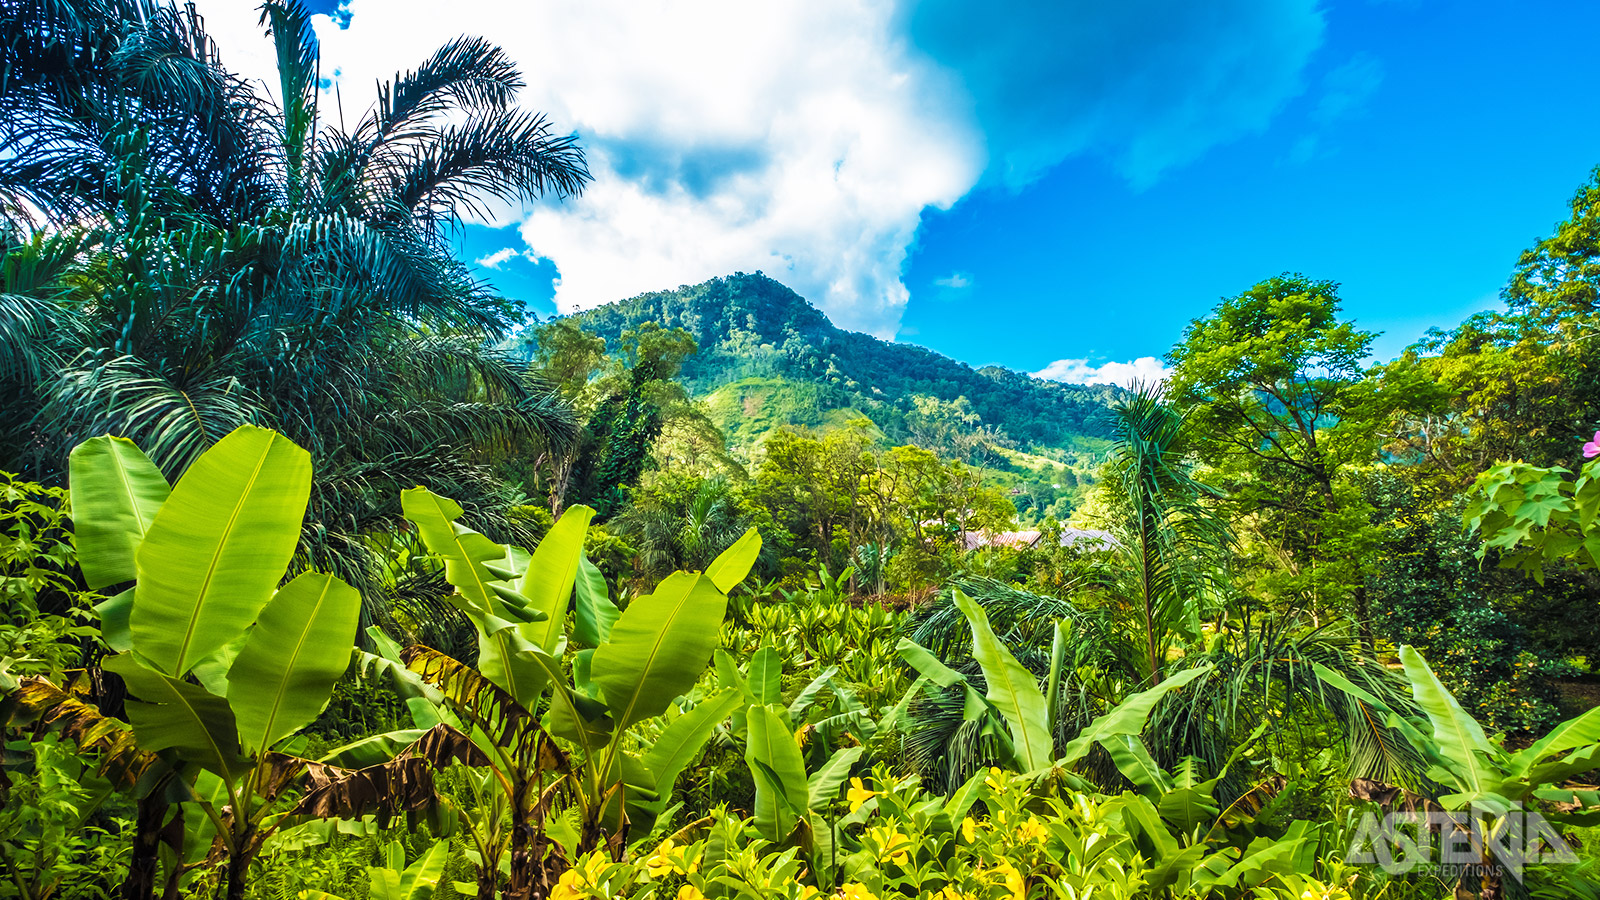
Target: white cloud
point(955, 281)
point(805, 138)
point(1145, 369)
point(498, 258)
point(801, 138)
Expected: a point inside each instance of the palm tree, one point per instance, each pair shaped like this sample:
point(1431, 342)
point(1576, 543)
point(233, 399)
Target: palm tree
point(1159, 603)
point(246, 261)
point(682, 526)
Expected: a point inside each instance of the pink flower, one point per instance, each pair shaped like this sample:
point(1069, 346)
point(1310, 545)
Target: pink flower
point(1592, 449)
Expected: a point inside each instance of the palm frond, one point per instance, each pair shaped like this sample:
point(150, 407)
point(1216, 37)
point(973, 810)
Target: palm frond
point(505, 155)
point(173, 423)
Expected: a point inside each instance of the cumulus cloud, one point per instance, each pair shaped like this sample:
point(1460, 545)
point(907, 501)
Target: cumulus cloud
point(1150, 83)
point(800, 138)
point(1144, 370)
point(955, 281)
point(498, 258)
point(805, 138)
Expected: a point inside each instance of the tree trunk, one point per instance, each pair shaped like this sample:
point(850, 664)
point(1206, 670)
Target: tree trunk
point(1364, 618)
point(238, 872)
point(246, 847)
point(151, 831)
point(146, 858)
point(488, 882)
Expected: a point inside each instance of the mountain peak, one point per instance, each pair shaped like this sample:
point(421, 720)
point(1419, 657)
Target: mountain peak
point(763, 344)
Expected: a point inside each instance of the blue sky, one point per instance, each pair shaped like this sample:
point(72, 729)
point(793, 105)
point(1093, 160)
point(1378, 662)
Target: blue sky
point(1433, 142)
point(1056, 188)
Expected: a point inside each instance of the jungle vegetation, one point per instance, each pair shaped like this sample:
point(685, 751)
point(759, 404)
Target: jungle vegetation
point(325, 572)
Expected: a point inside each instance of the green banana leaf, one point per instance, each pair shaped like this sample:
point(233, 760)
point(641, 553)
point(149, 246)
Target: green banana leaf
point(116, 491)
point(659, 647)
point(765, 675)
point(508, 625)
point(1128, 717)
point(551, 573)
point(185, 719)
point(782, 791)
point(1134, 762)
point(299, 647)
point(733, 564)
point(1578, 732)
point(729, 676)
point(372, 750)
point(463, 550)
point(218, 547)
point(1052, 679)
point(1013, 690)
point(397, 881)
point(1189, 802)
point(593, 614)
point(1265, 859)
point(684, 737)
point(115, 626)
point(505, 657)
point(573, 716)
point(823, 785)
point(923, 660)
point(1465, 749)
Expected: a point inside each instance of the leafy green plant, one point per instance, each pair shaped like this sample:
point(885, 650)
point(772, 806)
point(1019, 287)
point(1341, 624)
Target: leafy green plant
point(1157, 608)
point(1468, 772)
point(47, 847)
point(632, 667)
point(223, 663)
point(394, 880)
point(1015, 713)
point(1534, 516)
point(45, 618)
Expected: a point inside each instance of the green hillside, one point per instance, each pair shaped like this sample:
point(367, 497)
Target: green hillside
point(768, 358)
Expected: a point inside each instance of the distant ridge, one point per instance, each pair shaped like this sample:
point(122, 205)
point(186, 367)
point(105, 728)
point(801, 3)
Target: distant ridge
point(768, 359)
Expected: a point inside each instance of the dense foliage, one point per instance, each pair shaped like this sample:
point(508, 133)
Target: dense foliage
point(752, 330)
point(322, 576)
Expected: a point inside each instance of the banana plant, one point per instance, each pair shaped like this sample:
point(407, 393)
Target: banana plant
point(1468, 772)
point(1195, 844)
point(626, 667)
point(788, 792)
point(1019, 715)
point(394, 880)
point(224, 662)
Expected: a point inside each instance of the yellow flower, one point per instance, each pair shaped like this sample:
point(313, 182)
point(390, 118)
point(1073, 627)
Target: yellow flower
point(660, 863)
point(690, 892)
point(1012, 880)
point(969, 829)
point(807, 892)
point(950, 893)
point(996, 780)
point(856, 891)
point(1031, 830)
point(858, 794)
point(569, 886)
point(893, 846)
point(669, 858)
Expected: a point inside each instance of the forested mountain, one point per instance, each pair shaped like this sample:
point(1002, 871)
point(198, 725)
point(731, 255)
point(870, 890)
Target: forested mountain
point(769, 358)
